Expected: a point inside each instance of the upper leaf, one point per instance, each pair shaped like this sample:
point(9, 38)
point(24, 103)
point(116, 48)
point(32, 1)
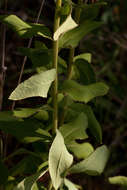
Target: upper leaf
point(94, 164)
point(118, 180)
point(59, 160)
point(72, 37)
point(24, 29)
point(37, 85)
point(75, 129)
point(84, 93)
point(68, 24)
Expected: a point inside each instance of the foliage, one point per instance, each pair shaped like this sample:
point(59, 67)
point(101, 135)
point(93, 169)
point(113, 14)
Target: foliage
point(68, 122)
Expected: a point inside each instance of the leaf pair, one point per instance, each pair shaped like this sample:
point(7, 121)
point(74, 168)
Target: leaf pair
point(60, 161)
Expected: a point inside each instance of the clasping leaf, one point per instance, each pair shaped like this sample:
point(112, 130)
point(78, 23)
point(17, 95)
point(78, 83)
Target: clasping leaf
point(59, 160)
point(94, 164)
point(37, 85)
point(66, 26)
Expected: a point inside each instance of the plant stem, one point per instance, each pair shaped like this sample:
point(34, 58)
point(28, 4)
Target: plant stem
point(72, 50)
point(70, 62)
point(3, 67)
point(55, 65)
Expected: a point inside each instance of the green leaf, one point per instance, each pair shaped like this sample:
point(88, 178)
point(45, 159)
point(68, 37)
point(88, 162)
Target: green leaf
point(70, 185)
point(59, 160)
point(73, 37)
point(65, 9)
point(86, 56)
point(82, 150)
point(38, 29)
point(86, 72)
point(37, 113)
point(90, 11)
point(42, 115)
point(75, 129)
point(21, 151)
point(67, 25)
point(40, 57)
point(37, 85)
point(4, 173)
point(29, 183)
point(24, 29)
point(28, 165)
point(94, 126)
point(118, 180)
point(7, 116)
point(27, 131)
point(24, 112)
point(94, 164)
point(82, 93)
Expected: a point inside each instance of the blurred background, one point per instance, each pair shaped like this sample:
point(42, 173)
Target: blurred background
point(108, 46)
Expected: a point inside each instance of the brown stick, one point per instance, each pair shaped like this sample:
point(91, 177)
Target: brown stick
point(25, 58)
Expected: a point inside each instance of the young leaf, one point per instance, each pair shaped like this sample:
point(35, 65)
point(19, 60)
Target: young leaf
point(59, 160)
point(24, 29)
point(29, 182)
point(37, 85)
point(70, 185)
point(94, 164)
point(118, 180)
point(72, 37)
point(84, 93)
point(75, 129)
point(82, 150)
point(68, 24)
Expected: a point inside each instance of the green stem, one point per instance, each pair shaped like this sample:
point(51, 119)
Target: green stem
point(70, 62)
point(72, 50)
point(55, 65)
point(70, 65)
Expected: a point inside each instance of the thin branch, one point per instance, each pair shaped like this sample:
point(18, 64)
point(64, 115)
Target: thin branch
point(29, 45)
point(3, 67)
